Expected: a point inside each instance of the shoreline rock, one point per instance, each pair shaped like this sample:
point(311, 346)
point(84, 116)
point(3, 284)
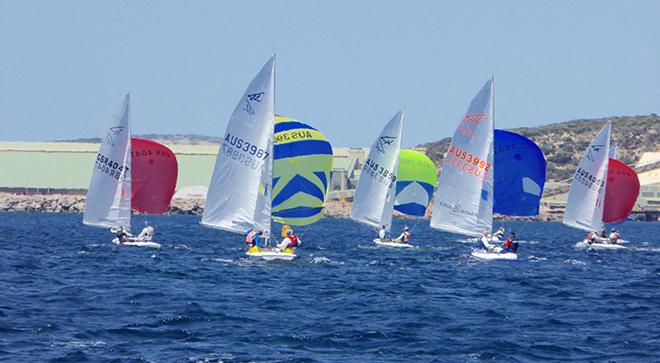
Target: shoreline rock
point(59, 203)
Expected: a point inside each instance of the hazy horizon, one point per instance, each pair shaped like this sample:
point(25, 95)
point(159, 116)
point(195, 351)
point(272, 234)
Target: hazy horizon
point(344, 67)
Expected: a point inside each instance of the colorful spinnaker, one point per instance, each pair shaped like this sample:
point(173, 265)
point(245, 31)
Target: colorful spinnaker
point(464, 197)
point(154, 174)
point(301, 172)
point(586, 196)
point(621, 191)
point(520, 175)
point(415, 182)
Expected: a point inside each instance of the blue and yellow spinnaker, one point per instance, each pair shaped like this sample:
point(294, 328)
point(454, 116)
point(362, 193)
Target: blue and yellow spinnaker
point(301, 172)
point(415, 182)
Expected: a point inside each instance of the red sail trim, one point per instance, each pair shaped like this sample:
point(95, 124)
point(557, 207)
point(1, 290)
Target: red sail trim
point(621, 191)
point(154, 175)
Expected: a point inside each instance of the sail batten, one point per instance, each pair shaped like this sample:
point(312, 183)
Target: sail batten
point(239, 195)
point(464, 196)
point(108, 202)
point(373, 203)
point(584, 207)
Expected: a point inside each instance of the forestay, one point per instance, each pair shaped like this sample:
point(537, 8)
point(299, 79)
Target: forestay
point(108, 202)
point(374, 196)
point(520, 175)
point(464, 197)
point(584, 208)
point(239, 192)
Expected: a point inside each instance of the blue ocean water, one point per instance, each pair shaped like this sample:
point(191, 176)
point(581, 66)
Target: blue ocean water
point(68, 295)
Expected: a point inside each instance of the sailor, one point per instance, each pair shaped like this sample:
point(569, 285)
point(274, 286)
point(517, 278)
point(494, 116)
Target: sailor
point(252, 237)
point(614, 236)
point(290, 241)
point(603, 235)
point(404, 237)
point(511, 245)
point(122, 234)
point(499, 234)
point(147, 233)
point(382, 233)
point(485, 241)
point(591, 237)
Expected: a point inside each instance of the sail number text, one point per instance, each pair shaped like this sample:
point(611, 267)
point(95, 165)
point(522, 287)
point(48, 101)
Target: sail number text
point(379, 173)
point(112, 168)
point(465, 161)
point(243, 151)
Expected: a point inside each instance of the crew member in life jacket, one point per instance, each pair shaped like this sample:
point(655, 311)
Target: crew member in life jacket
point(252, 238)
point(499, 234)
point(147, 233)
point(592, 237)
point(511, 245)
point(614, 236)
point(290, 241)
point(405, 237)
point(382, 234)
point(122, 234)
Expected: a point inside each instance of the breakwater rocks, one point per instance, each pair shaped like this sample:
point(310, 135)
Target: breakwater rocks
point(58, 203)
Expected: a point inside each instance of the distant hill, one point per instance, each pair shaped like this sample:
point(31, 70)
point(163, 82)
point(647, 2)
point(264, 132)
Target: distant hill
point(563, 143)
point(179, 139)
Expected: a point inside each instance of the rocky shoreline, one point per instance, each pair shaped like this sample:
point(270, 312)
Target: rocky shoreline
point(60, 203)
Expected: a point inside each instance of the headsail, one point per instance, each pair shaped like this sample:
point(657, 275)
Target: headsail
point(239, 193)
point(109, 195)
point(374, 196)
point(584, 208)
point(301, 172)
point(520, 175)
point(154, 173)
point(621, 192)
point(415, 182)
point(464, 197)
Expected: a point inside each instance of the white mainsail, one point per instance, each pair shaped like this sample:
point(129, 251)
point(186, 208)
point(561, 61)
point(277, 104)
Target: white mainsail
point(374, 196)
point(239, 195)
point(108, 201)
point(586, 197)
point(464, 197)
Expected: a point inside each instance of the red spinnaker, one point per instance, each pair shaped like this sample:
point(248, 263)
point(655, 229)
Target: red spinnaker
point(154, 174)
point(621, 191)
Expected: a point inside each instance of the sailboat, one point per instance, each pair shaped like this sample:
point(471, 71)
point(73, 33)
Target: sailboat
point(240, 192)
point(376, 189)
point(113, 192)
point(464, 196)
point(592, 202)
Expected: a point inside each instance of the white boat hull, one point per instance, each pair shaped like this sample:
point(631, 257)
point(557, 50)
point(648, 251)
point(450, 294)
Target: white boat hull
point(136, 243)
point(488, 255)
point(271, 254)
point(392, 244)
point(602, 246)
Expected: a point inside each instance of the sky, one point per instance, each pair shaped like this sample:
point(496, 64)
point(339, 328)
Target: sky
point(345, 67)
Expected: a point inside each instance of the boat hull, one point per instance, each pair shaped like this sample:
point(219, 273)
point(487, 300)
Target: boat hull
point(271, 254)
point(392, 244)
point(487, 255)
point(136, 243)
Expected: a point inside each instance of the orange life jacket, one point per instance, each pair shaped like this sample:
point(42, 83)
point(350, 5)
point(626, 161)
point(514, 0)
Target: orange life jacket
point(250, 237)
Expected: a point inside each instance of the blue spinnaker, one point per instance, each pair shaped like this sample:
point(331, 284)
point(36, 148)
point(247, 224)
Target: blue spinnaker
point(519, 175)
